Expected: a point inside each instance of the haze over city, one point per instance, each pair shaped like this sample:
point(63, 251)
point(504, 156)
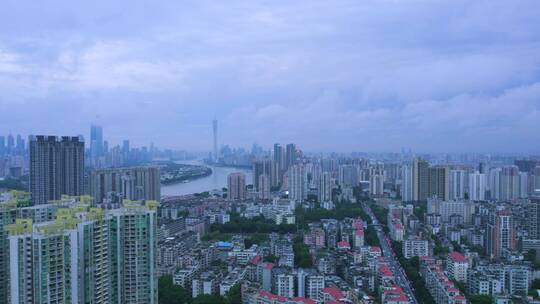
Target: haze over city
point(456, 76)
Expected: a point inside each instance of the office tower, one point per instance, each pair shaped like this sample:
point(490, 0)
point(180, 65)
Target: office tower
point(348, 176)
point(297, 183)
point(509, 183)
point(420, 179)
point(56, 167)
point(261, 167)
point(439, 182)
point(20, 144)
point(532, 225)
point(2, 145)
point(236, 185)
point(501, 236)
point(264, 186)
point(125, 146)
point(406, 183)
point(458, 184)
point(85, 256)
point(10, 144)
point(477, 186)
point(112, 185)
point(215, 132)
point(325, 187)
point(96, 141)
point(290, 155)
point(376, 180)
point(279, 156)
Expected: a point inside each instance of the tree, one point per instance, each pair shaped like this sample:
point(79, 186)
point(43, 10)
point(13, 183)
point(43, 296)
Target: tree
point(480, 299)
point(168, 293)
point(234, 296)
point(209, 299)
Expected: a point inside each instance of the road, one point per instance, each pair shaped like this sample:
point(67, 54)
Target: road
point(388, 253)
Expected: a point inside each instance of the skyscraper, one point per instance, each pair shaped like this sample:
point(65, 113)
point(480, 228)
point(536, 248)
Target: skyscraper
point(477, 186)
point(501, 233)
point(10, 144)
point(236, 185)
point(56, 167)
point(420, 179)
point(290, 155)
point(261, 167)
point(2, 145)
point(215, 129)
point(458, 184)
point(325, 187)
point(406, 183)
point(297, 183)
point(96, 141)
point(439, 182)
point(264, 187)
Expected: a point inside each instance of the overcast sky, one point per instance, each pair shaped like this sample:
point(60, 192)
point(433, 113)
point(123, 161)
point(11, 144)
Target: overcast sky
point(434, 76)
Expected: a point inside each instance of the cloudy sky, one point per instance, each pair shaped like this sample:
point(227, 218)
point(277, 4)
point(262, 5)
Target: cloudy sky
point(433, 76)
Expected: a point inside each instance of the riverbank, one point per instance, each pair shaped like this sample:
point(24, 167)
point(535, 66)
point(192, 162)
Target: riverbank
point(174, 173)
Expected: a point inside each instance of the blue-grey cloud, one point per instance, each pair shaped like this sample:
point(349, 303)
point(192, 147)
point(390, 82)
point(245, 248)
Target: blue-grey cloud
point(330, 75)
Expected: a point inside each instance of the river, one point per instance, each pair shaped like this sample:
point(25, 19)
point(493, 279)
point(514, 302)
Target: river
point(217, 180)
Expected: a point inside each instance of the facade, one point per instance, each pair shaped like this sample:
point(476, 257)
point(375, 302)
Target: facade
point(420, 179)
point(236, 186)
point(477, 186)
point(85, 256)
point(134, 183)
point(56, 167)
point(415, 247)
point(457, 266)
point(264, 187)
point(297, 183)
point(325, 187)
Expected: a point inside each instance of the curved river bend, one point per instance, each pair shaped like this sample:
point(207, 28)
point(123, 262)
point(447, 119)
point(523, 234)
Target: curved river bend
point(217, 180)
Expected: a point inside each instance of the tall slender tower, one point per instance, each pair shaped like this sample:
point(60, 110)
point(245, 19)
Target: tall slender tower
point(214, 123)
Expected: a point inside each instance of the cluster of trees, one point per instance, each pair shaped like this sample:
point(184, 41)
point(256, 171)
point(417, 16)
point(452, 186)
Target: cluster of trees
point(168, 293)
point(370, 236)
point(254, 225)
point(13, 184)
point(302, 257)
point(343, 209)
point(412, 269)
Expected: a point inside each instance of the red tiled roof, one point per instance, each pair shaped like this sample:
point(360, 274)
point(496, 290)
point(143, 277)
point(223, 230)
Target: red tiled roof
point(255, 260)
point(359, 232)
point(343, 244)
point(304, 300)
point(375, 249)
point(269, 266)
point(334, 292)
point(457, 257)
point(271, 296)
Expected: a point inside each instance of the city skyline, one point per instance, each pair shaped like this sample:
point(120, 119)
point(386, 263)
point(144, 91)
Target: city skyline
point(370, 76)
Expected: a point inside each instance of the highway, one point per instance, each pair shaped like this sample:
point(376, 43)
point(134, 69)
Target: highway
point(388, 253)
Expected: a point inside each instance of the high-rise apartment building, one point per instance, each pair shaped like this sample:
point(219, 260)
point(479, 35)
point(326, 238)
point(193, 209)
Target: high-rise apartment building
point(85, 256)
point(56, 167)
point(325, 187)
point(116, 184)
point(261, 167)
point(439, 185)
point(420, 179)
point(477, 186)
point(458, 184)
point(376, 181)
point(264, 187)
point(236, 185)
point(297, 183)
point(501, 232)
point(509, 184)
point(406, 183)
